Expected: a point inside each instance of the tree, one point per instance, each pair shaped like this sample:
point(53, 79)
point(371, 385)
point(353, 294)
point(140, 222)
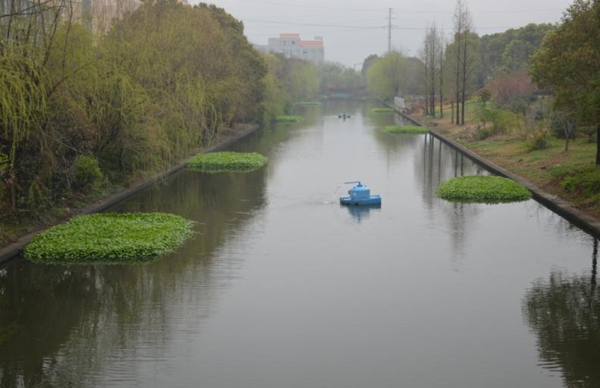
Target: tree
point(367, 63)
point(388, 76)
point(569, 63)
point(564, 122)
point(430, 55)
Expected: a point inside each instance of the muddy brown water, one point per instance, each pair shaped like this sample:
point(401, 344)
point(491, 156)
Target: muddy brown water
point(284, 288)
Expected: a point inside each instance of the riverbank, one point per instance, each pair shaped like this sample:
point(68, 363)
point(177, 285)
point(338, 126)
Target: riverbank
point(557, 178)
point(21, 234)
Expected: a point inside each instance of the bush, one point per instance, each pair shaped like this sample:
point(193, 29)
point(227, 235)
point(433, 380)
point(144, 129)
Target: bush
point(110, 238)
point(227, 162)
point(539, 141)
point(406, 129)
point(482, 134)
point(87, 173)
point(483, 189)
point(586, 182)
point(589, 131)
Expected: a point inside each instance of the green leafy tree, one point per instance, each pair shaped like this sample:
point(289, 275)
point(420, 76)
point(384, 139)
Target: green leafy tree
point(569, 63)
point(388, 76)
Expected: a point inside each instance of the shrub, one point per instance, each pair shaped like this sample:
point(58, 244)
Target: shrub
point(227, 162)
point(110, 238)
point(289, 119)
point(589, 131)
point(586, 182)
point(539, 141)
point(87, 173)
point(382, 110)
point(406, 129)
point(483, 189)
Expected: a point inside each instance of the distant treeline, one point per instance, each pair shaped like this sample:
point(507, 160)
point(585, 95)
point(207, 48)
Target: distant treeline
point(81, 110)
point(446, 67)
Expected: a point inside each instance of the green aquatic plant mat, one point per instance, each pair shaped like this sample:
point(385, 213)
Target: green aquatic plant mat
point(483, 189)
point(406, 129)
point(216, 162)
point(289, 119)
point(110, 238)
point(382, 110)
point(308, 103)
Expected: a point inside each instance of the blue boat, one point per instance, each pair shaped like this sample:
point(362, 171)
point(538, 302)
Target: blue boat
point(360, 195)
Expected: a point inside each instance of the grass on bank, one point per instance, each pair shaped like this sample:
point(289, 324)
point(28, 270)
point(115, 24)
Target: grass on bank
point(382, 110)
point(405, 129)
point(217, 162)
point(483, 189)
point(289, 119)
point(110, 238)
point(570, 175)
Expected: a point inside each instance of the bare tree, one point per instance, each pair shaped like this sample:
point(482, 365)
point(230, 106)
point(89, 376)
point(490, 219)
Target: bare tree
point(441, 64)
point(458, 42)
point(430, 54)
point(465, 57)
point(565, 122)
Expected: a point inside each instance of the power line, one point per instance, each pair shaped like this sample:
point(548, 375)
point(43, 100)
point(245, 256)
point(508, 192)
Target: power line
point(390, 30)
point(314, 6)
point(306, 24)
point(323, 32)
point(449, 12)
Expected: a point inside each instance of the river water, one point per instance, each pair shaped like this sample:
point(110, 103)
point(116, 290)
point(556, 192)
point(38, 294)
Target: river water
point(281, 287)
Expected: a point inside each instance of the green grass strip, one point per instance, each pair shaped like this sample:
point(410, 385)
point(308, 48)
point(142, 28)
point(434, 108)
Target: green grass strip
point(289, 119)
point(408, 129)
point(483, 189)
point(110, 238)
point(217, 162)
point(382, 110)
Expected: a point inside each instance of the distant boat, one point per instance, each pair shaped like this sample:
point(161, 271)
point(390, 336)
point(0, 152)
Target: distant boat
point(344, 116)
point(360, 195)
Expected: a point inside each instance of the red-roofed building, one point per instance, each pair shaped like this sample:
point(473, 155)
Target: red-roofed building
point(292, 46)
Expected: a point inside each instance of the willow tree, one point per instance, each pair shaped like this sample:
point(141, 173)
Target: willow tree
point(569, 63)
point(388, 76)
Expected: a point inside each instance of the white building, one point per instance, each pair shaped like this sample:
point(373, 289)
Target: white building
point(292, 46)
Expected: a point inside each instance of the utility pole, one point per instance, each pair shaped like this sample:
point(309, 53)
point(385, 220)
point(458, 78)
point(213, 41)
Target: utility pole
point(390, 31)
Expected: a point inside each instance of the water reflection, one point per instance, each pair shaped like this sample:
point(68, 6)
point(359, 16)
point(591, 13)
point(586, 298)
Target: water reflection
point(362, 213)
point(564, 312)
point(61, 325)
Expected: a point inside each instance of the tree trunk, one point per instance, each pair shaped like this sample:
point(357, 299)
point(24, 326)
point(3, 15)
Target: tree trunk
point(464, 77)
point(432, 75)
point(459, 35)
point(597, 144)
point(441, 88)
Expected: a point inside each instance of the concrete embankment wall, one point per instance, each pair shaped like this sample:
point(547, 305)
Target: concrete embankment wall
point(11, 251)
point(552, 202)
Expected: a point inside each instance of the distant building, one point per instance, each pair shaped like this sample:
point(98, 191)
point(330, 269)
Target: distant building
point(292, 46)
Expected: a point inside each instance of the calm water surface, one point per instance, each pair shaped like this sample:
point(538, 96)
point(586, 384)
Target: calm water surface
point(283, 288)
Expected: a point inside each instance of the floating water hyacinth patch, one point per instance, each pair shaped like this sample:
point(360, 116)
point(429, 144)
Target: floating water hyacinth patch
point(289, 119)
point(308, 103)
point(227, 162)
point(382, 110)
point(110, 238)
point(405, 129)
point(483, 189)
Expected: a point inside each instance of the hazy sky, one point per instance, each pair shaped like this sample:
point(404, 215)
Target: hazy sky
point(354, 29)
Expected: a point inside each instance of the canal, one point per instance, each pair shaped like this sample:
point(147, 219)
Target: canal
point(282, 287)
